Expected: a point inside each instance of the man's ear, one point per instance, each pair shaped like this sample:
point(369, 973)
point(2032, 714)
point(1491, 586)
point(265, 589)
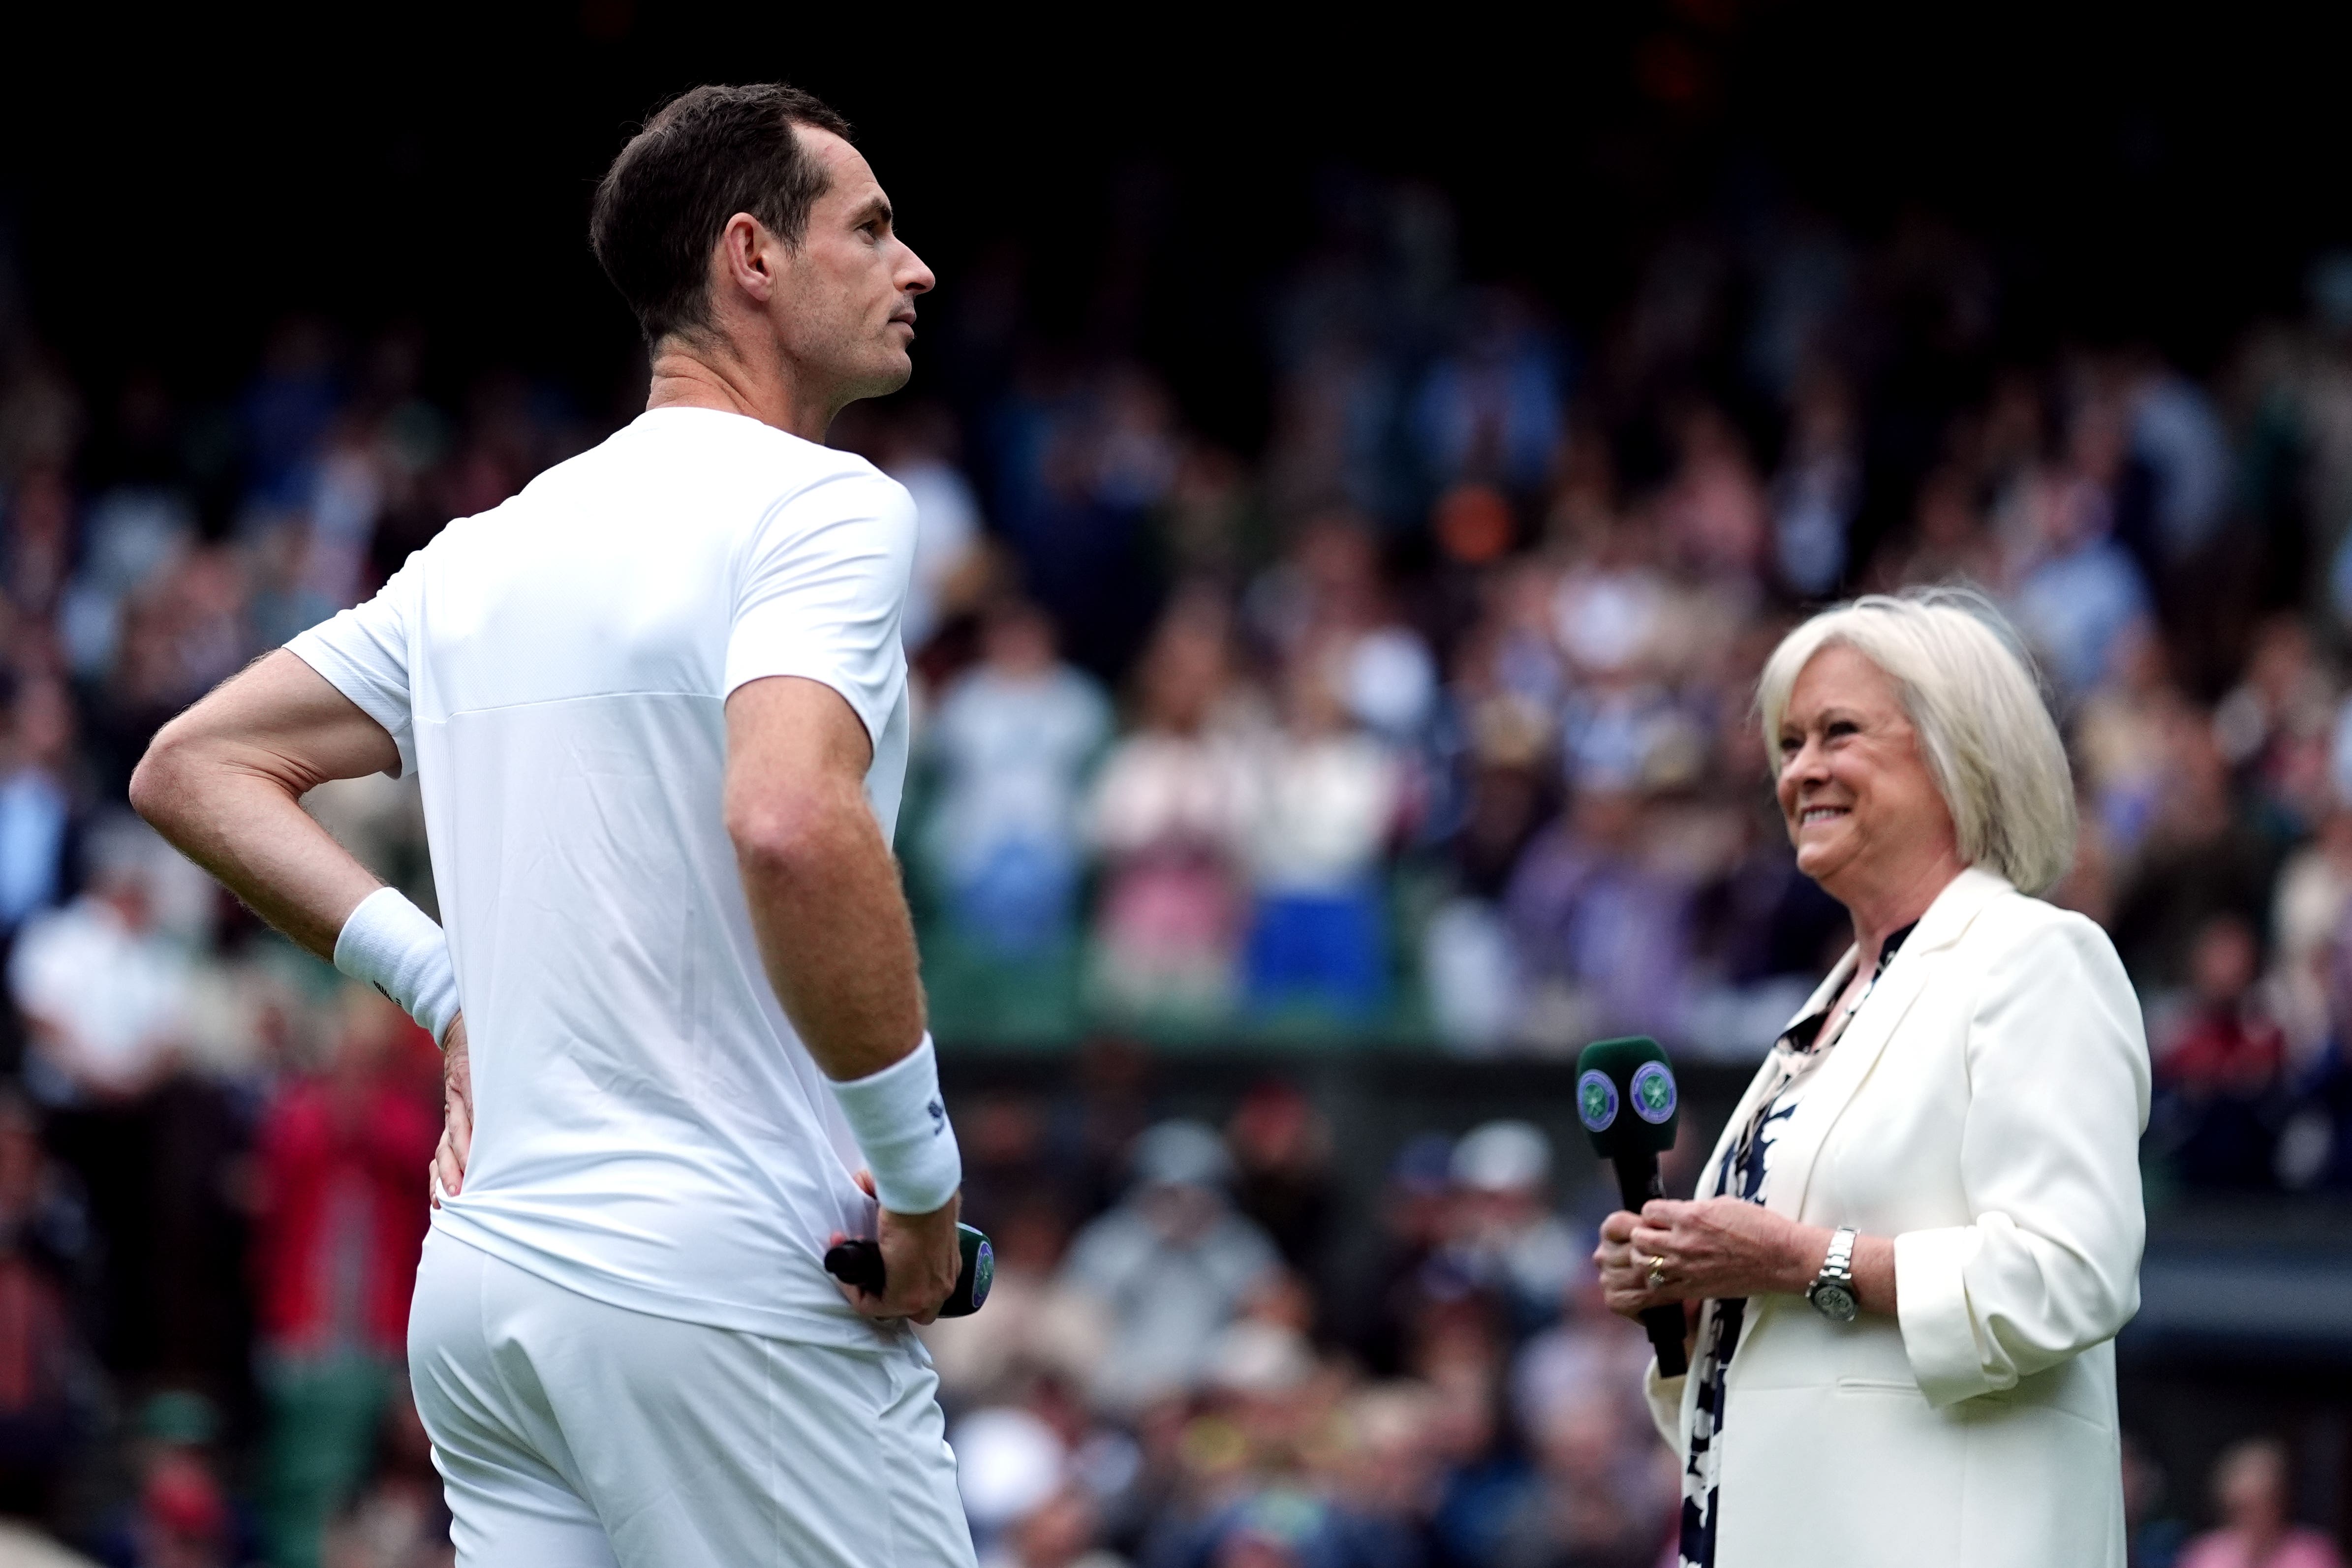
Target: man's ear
point(745, 258)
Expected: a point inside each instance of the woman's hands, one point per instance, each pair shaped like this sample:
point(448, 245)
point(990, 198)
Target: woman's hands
point(1708, 1251)
point(1721, 1247)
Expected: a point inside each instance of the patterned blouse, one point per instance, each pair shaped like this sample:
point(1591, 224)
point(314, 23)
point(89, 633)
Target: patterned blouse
point(1745, 1172)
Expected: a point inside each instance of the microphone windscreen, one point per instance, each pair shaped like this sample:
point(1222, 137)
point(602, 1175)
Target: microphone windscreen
point(1626, 1096)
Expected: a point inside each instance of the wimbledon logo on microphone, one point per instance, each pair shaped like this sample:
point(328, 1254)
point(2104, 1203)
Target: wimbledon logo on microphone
point(1652, 1092)
point(1596, 1099)
point(983, 1273)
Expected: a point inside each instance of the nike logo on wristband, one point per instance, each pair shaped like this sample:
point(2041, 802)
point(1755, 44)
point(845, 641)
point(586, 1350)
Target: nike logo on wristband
point(938, 1118)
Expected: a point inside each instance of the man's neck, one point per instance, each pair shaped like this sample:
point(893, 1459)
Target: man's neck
point(690, 377)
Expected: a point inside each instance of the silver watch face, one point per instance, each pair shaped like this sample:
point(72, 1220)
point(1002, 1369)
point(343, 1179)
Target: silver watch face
point(1836, 1302)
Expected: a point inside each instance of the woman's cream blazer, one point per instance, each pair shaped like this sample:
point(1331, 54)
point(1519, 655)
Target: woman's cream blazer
point(1984, 1110)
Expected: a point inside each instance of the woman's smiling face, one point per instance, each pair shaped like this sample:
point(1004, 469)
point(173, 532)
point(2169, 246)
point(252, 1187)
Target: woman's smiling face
point(1861, 807)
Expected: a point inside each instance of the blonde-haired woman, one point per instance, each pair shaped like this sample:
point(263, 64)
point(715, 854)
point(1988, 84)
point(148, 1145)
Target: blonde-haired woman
point(1922, 1227)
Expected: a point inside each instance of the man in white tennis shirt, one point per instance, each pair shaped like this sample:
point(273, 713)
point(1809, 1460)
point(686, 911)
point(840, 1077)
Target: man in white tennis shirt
point(659, 707)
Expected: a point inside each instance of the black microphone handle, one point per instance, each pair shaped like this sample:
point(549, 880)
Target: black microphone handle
point(1637, 1183)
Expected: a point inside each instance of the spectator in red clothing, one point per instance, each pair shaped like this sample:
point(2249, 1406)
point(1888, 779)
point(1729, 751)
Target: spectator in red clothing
point(343, 1219)
point(2228, 1042)
point(2250, 1488)
point(2219, 1066)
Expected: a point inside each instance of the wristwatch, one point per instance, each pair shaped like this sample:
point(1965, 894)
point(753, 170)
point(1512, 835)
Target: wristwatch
point(1832, 1291)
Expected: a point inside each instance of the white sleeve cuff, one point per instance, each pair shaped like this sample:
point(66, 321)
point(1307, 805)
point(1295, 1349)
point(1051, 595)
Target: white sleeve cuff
point(1931, 1303)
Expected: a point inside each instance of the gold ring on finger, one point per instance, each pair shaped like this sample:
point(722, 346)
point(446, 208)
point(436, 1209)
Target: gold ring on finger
point(1657, 1271)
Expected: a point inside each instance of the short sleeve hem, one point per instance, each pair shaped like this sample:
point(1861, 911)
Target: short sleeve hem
point(365, 693)
point(810, 667)
point(821, 591)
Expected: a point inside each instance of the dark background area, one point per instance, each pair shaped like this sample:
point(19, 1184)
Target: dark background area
point(176, 182)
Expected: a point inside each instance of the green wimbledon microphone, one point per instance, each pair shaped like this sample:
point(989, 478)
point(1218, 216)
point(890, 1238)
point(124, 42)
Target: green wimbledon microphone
point(1625, 1097)
point(859, 1262)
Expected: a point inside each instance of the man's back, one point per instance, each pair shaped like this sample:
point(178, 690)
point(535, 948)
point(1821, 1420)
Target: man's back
point(648, 1130)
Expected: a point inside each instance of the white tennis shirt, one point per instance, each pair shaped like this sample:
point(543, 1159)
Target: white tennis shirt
point(648, 1130)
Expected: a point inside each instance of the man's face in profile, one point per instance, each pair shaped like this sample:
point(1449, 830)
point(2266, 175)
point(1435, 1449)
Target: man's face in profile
point(848, 311)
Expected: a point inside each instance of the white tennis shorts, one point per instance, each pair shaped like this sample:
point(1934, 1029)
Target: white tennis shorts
point(571, 1433)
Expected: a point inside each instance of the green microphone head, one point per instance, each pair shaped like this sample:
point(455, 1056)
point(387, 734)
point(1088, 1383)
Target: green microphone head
point(1625, 1096)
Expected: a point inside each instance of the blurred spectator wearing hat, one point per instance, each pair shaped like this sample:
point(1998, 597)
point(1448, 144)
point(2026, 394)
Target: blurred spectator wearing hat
point(1502, 1234)
point(2252, 1491)
point(1173, 1263)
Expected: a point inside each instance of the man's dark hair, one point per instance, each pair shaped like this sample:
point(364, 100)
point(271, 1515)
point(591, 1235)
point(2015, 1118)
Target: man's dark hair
point(705, 155)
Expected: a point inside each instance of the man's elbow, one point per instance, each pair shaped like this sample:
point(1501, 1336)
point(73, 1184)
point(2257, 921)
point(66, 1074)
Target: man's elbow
point(797, 841)
point(159, 784)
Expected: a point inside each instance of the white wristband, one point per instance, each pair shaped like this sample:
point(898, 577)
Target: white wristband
point(395, 947)
point(902, 1130)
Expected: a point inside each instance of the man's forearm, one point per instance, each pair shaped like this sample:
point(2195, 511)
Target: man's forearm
point(834, 931)
point(258, 841)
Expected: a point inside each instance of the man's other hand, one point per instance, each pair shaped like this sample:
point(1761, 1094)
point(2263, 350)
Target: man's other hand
point(922, 1257)
point(456, 1115)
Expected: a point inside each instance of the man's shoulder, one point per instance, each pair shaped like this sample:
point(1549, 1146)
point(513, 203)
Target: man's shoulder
point(689, 450)
point(698, 468)
point(733, 446)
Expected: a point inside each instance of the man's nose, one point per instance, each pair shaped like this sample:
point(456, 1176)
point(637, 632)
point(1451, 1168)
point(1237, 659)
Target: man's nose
point(918, 279)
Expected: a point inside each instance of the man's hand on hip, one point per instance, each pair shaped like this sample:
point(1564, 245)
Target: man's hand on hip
point(456, 1115)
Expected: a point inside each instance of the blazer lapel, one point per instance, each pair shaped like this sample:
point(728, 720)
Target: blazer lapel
point(1837, 1080)
point(1840, 973)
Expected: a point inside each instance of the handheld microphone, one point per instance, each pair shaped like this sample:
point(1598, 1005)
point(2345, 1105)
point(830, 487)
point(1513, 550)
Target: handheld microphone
point(1625, 1096)
point(859, 1262)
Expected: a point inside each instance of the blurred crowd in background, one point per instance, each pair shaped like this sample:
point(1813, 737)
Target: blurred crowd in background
point(1423, 725)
